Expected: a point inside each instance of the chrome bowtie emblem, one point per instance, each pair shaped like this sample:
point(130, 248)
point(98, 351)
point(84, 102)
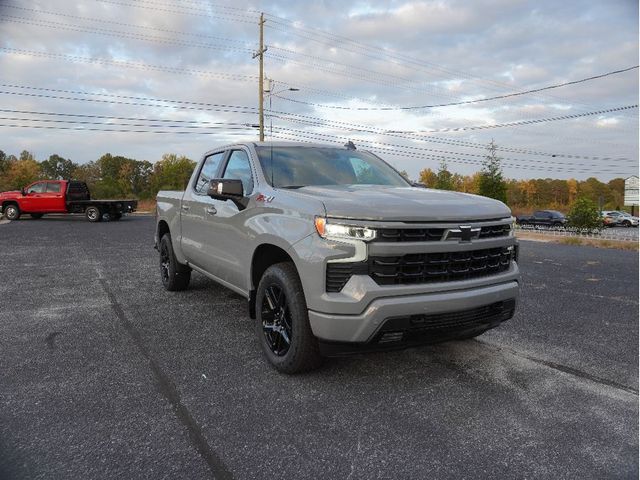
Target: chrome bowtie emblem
point(464, 232)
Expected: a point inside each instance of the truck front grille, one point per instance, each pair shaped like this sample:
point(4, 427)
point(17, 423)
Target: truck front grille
point(439, 267)
point(493, 231)
point(434, 234)
point(423, 267)
point(409, 234)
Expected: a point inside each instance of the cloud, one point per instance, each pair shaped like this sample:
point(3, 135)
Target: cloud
point(359, 54)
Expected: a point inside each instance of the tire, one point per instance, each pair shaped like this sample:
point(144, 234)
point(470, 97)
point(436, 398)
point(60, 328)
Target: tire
point(175, 276)
point(115, 217)
point(626, 223)
point(12, 212)
point(93, 214)
point(282, 322)
point(36, 216)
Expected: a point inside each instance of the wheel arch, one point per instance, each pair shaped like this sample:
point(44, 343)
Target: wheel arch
point(163, 229)
point(265, 255)
point(6, 203)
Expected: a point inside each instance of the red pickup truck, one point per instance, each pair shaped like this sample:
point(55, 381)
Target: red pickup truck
point(61, 196)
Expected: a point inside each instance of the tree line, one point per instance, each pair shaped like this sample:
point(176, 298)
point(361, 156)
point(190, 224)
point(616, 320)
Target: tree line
point(526, 195)
point(108, 177)
point(116, 176)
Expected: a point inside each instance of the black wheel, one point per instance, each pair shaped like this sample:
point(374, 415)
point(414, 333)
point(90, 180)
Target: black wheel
point(93, 214)
point(36, 216)
point(626, 223)
point(174, 275)
point(283, 322)
point(12, 212)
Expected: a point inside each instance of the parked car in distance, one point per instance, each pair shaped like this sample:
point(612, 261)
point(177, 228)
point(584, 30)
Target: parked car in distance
point(543, 218)
point(623, 219)
point(336, 252)
point(61, 196)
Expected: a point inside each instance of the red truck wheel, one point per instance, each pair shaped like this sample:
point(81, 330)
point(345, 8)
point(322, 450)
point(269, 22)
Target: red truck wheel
point(12, 212)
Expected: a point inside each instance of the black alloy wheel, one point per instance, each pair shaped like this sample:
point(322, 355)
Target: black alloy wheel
point(276, 320)
point(175, 276)
point(165, 262)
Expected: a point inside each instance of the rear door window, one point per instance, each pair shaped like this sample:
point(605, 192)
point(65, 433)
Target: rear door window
point(53, 187)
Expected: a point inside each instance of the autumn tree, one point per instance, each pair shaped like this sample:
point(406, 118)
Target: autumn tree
point(428, 178)
point(21, 173)
point(491, 182)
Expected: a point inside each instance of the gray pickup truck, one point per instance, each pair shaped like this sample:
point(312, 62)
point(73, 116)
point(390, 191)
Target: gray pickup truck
point(336, 252)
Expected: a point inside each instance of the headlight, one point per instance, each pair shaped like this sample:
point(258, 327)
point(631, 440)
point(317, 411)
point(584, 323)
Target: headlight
point(338, 230)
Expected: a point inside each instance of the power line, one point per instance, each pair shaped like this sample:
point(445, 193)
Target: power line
point(440, 156)
point(150, 123)
point(122, 24)
point(119, 130)
point(229, 109)
point(113, 117)
point(467, 102)
point(155, 6)
point(315, 121)
point(208, 106)
point(127, 64)
point(436, 151)
point(120, 34)
point(340, 40)
point(501, 125)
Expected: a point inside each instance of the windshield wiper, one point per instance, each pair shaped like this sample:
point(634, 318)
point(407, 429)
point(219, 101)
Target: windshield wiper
point(292, 187)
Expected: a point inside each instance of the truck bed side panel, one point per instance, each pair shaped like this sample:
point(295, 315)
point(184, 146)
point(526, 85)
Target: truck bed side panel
point(168, 207)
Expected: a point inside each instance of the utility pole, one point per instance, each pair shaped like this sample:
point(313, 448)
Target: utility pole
point(260, 55)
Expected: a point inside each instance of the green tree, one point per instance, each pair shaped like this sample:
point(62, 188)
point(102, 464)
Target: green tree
point(585, 215)
point(57, 168)
point(171, 173)
point(444, 178)
point(491, 182)
point(26, 155)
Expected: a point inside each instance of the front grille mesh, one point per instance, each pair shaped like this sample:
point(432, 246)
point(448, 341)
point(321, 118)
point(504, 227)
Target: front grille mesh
point(434, 234)
point(409, 234)
point(439, 267)
point(493, 231)
point(422, 267)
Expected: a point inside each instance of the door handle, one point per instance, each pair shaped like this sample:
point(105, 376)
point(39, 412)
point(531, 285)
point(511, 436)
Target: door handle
point(186, 208)
point(212, 211)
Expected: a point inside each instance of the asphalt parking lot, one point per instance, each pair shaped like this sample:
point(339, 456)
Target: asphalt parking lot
point(106, 375)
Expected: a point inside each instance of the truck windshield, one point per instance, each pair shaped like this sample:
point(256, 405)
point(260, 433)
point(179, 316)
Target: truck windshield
point(296, 167)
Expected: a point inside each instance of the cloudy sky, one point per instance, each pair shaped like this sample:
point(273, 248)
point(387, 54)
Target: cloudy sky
point(147, 77)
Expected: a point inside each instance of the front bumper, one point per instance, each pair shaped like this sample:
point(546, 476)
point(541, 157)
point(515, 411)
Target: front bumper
point(364, 327)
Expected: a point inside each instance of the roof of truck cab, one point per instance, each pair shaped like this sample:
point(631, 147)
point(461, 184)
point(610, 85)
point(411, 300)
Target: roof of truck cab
point(297, 144)
point(279, 144)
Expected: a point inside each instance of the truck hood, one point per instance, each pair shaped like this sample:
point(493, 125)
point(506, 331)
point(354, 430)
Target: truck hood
point(411, 204)
point(10, 194)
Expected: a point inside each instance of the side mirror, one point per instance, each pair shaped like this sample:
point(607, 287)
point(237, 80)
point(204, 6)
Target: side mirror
point(23, 192)
point(228, 189)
